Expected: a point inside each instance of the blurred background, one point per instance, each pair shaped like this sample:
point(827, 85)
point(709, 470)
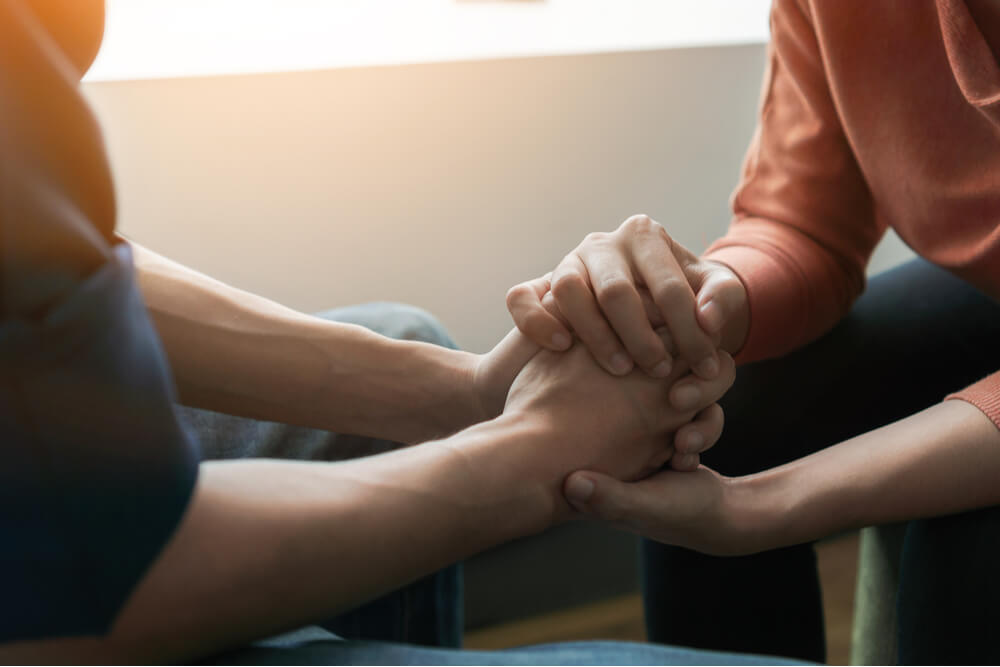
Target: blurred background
point(429, 151)
point(434, 152)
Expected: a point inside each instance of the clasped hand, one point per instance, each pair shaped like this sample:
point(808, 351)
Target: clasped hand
point(636, 298)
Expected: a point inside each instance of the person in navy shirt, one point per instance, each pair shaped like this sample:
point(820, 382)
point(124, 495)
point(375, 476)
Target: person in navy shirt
point(123, 373)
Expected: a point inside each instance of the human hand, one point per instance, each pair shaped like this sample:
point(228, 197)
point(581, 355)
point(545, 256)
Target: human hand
point(492, 374)
point(597, 288)
point(619, 426)
point(700, 510)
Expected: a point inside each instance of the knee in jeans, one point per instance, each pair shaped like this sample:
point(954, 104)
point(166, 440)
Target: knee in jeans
point(413, 323)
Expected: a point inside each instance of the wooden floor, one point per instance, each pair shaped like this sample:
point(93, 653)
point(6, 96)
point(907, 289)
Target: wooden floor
point(621, 618)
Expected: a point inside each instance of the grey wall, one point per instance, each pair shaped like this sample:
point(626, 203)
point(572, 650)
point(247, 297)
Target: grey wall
point(439, 184)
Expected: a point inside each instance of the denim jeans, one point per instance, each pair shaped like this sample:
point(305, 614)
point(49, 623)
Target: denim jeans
point(917, 334)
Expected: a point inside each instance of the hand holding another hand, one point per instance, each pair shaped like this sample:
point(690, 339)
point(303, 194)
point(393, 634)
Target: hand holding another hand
point(598, 288)
point(700, 510)
point(618, 426)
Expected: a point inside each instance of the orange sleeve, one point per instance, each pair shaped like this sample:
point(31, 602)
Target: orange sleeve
point(804, 225)
point(985, 395)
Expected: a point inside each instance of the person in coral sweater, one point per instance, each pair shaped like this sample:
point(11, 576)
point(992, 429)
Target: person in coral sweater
point(873, 115)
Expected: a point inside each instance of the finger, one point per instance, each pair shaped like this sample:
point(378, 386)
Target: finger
point(602, 497)
point(701, 433)
point(663, 333)
point(652, 311)
point(573, 294)
point(663, 275)
point(659, 461)
point(685, 462)
point(721, 296)
point(693, 393)
point(619, 300)
point(524, 302)
point(512, 353)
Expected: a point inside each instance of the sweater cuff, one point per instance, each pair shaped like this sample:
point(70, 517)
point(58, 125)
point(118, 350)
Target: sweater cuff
point(985, 395)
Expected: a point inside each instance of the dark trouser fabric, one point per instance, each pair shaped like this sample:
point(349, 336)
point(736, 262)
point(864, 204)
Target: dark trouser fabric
point(949, 590)
point(916, 334)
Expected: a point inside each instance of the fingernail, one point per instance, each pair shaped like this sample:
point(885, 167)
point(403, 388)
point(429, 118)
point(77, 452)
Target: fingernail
point(661, 370)
point(686, 396)
point(711, 316)
point(579, 489)
point(707, 368)
point(693, 441)
point(620, 363)
point(560, 341)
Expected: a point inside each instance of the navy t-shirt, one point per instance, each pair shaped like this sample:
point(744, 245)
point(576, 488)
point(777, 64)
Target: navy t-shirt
point(95, 469)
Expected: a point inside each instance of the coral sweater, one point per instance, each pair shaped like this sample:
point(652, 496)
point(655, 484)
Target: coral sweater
point(873, 115)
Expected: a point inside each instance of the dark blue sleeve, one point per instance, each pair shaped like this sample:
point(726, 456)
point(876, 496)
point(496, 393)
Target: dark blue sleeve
point(95, 469)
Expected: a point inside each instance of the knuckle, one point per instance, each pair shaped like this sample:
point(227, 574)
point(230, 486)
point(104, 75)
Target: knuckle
point(550, 305)
point(644, 226)
point(537, 323)
point(614, 290)
point(673, 293)
point(647, 353)
point(594, 238)
point(516, 293)
point(567, 284)
point(638, 222)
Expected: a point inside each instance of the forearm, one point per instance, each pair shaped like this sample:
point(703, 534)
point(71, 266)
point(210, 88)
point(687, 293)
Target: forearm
point(239, 353)
point(268, 546)
point(942, 460)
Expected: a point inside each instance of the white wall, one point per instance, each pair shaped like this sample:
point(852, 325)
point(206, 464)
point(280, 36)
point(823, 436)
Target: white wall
point(438, 184)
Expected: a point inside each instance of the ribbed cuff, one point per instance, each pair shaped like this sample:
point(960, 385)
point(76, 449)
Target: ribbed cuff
point(985, 395)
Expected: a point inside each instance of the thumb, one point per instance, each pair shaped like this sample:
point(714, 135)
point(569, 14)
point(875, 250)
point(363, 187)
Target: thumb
point(511, 354)
point(721, 296)
point(601, 497)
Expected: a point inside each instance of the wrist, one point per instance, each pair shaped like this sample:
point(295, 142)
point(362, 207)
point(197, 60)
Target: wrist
point(510, 449)
point(465, 404)
point(436, 384)
point(758, 509)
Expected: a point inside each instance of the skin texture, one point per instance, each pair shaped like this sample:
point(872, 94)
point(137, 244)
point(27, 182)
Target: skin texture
point(436, 502)
point(606, 299)
point(239, 353)
point(471, 486)
point(942, 460)
point(604, 290)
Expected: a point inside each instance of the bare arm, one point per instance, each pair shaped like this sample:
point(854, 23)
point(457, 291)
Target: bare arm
point(266, 546)
point(942, 460)
point(236, 352)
